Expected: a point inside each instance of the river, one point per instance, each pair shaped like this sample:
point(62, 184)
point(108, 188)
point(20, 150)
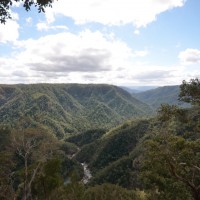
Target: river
point(87, 174)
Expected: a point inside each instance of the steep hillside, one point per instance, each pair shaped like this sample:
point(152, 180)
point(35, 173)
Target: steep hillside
point(161, 95)
point(68, 108)
point(116, 156)
point(111, 156)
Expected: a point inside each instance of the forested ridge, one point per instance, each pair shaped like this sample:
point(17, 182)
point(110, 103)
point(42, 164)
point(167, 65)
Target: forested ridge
point(143, 158)
point(161, 95)
point(68, 108)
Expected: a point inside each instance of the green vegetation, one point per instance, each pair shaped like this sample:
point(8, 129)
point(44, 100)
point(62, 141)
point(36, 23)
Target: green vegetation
point(111, 157)
point(86, 137)
point(142, 159)
point(77, 191)
point(162, 95)
point(190, 92)
point(171, 161)
point(67, 108)
point(32, 163)
point(108, 191)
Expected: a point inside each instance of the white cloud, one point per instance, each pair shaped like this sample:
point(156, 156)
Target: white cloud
point(137, 32)
point(112, 12)
point(16, 4)
point(67, 57)
point(42, 26)
point(88, 57)
point(14, 16)
point(49, 13)
point(148, 74)
point(9, 31)
point(28, 20)
point(190, 56)
point(141, 53)
point(156, 76)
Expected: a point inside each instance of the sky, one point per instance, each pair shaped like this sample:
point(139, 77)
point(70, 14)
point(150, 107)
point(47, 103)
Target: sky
point(119, 42)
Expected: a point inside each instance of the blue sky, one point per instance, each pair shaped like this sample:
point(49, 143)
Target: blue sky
point(123, 42)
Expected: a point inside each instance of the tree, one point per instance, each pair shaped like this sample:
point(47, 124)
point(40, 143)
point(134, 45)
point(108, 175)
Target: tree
point(6, 166)
point(5, 6)
point(171, 165)
point(166, 112)
point(108, 191)
point(48, 180)
point(33, 148)
point(190, 91)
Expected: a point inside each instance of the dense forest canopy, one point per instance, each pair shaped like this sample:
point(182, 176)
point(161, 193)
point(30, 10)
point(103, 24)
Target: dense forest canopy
point(171, 159)
point(153, 158)
point(68, 108)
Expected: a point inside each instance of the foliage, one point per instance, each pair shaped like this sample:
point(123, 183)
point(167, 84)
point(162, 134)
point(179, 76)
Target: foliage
point(69, 148)
point(190, 91)
point(73, 191)
point(168, 112)
point(110, 157)
point(168, 166)
point(161, 95)
point(77, 191)
point(4, 137)
point(70, 166)
point(164, 149)
point(34, 147)
point(171, 159)
point(121, 172)
point(6, 165)
point(88, 151)
point(5, 6)
point(48, 179)
point(23, 158)
point(109, 191)
point(86, 137)
point(119, 144)
point(66, 109)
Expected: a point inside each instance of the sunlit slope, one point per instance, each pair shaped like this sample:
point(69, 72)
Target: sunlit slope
point(68, 108)
point(161, 95)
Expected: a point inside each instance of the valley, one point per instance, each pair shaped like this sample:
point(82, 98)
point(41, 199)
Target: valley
point(94, 139)
point(99, 100)
point(68, 108)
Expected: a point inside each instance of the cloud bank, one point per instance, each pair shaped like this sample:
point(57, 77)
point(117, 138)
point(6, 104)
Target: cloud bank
point(9, 32)
point(112, 12)
point(66, 52)
point(190, 56)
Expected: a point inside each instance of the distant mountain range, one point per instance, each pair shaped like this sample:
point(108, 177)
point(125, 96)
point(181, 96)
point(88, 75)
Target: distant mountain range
point(161, 95)
point(68, 108)
point(137, 89)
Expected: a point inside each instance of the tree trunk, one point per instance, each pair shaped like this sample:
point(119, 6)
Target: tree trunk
point(25, 179)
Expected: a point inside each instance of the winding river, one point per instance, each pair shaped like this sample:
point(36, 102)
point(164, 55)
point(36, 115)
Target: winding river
point(87, 174)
